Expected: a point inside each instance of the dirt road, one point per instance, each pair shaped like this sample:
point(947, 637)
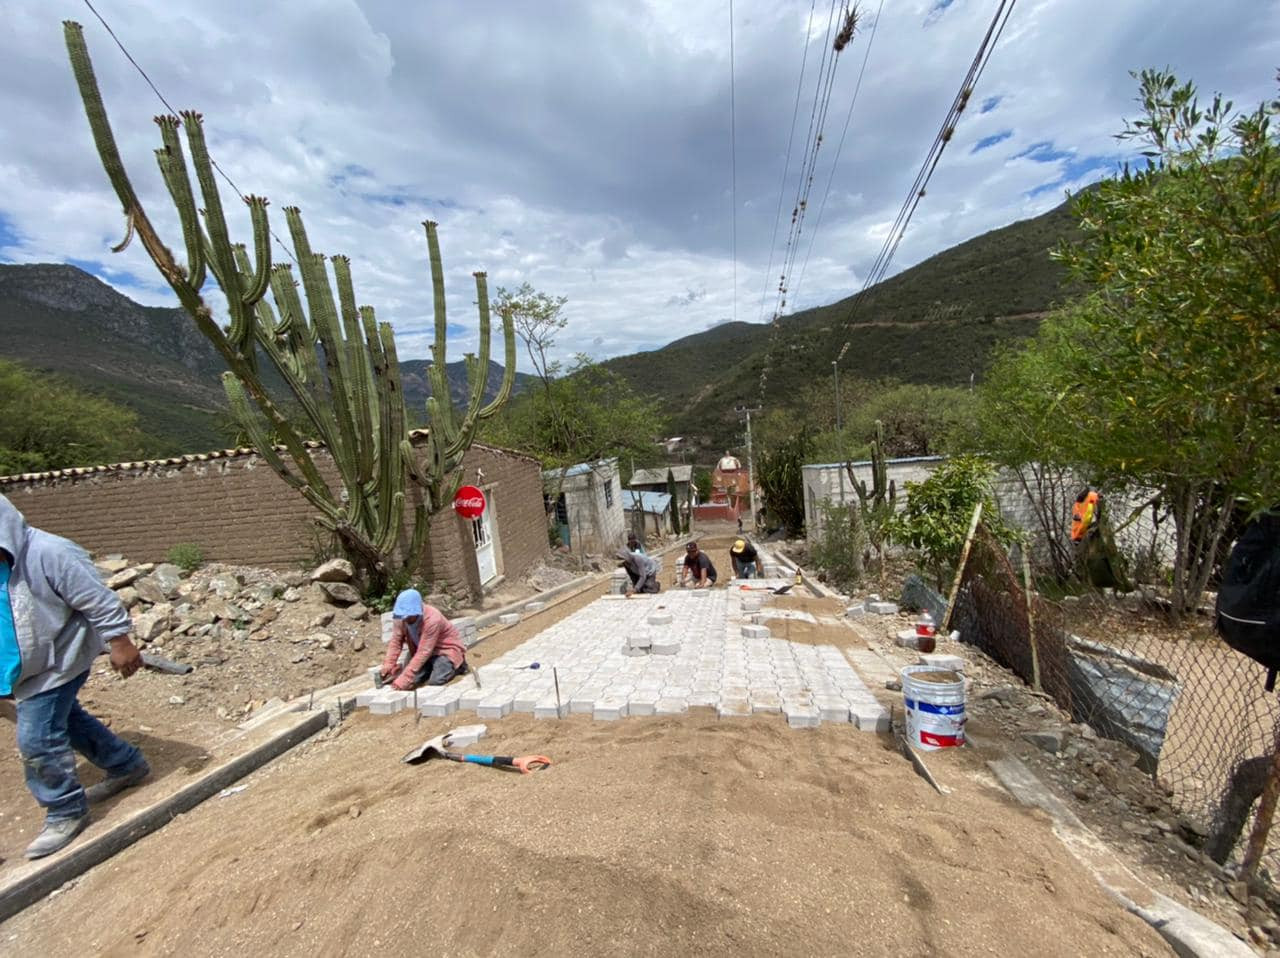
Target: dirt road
point(648, 836)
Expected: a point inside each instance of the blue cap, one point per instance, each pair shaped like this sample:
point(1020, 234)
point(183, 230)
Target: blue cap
point(408, 602)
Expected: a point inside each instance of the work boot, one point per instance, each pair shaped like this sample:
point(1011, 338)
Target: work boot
point(115, 784)
point(56, 834)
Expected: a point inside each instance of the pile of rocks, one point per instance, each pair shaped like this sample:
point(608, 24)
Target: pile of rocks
point(217, 603)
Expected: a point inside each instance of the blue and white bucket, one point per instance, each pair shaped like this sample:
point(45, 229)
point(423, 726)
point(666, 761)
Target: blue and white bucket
point(934, 702)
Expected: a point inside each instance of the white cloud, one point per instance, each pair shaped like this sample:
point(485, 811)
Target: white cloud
point(584, 147)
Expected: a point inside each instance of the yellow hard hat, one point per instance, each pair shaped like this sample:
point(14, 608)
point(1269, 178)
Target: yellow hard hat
point(739, 546)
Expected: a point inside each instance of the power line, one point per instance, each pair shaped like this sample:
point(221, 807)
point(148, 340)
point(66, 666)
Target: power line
point(173, 112)
point(835, 161)
point(919, 185)
point(733, 167)
point(786, 165)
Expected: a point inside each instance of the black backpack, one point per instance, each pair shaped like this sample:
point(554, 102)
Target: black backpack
point(1248, 610)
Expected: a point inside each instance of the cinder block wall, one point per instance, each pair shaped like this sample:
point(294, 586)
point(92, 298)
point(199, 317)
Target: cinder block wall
point(237, 510)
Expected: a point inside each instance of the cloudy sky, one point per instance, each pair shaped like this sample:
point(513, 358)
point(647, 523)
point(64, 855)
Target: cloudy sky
point(584, 147)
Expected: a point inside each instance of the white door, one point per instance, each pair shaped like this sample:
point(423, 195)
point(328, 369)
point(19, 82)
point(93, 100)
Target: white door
point(482, 533)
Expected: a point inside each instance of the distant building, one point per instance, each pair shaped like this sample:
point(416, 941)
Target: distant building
point(587, 502)
point(655, 480)
point(647, 512)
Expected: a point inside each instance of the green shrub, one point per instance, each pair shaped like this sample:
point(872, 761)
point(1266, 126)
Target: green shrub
point(187, 556)
point(939, 510)
point(840, 548)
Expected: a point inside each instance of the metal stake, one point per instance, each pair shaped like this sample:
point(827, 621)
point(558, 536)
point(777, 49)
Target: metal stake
point(555, 674)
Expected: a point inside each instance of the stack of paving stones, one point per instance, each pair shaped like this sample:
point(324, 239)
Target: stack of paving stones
point(716, 659)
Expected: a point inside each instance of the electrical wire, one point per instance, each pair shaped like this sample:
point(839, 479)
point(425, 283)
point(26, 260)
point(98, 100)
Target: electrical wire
point(160, 96)
point(835, 161)
point(919, 185)
point(733, 167)
point(786, 165)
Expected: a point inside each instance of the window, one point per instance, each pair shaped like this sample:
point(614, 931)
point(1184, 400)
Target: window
point(608, 494)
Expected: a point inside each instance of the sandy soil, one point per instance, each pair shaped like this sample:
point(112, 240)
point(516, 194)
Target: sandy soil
point(647, 836)
point(182, 739)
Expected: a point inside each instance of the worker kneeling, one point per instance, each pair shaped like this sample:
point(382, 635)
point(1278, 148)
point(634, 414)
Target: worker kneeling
point(436, 653)
point(746, 560)
point(641, 570)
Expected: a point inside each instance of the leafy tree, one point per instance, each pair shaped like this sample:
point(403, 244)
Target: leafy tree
point(940, 508)
point(586, 415)
point(1165, 376)
point(781, 481)
point(47, 423)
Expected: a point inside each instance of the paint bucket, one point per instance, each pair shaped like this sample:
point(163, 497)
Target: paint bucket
point(934, 701)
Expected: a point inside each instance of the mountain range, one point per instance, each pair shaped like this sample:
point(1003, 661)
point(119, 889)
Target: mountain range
point(153, 360)
point(937, 322)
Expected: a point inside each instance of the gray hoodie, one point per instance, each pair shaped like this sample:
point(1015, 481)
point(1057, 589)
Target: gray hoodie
point(62, 611)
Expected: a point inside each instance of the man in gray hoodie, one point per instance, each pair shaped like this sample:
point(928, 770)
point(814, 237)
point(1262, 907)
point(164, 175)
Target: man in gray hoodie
point(56, 617)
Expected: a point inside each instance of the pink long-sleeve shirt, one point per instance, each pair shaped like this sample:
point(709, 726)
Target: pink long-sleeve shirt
point(435, 635)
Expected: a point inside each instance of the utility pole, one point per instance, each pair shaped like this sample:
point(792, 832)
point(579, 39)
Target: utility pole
point(835, 371)
point(751, 476)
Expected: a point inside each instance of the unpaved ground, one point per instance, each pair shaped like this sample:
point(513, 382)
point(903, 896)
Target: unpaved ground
point(181, 739)
point(647, 836)
point(1099, 781)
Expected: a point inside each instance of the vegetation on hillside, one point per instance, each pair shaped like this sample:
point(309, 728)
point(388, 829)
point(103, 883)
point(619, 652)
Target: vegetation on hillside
point(47, 423)
point(1165, 377)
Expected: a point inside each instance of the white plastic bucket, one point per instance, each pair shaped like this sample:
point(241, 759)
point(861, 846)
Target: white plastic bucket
point(934, 702)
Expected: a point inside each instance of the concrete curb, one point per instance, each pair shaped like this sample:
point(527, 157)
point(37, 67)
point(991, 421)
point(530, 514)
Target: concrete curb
point(1189, 933)
point(565, 590)
point(35, 881)
point(807, 580)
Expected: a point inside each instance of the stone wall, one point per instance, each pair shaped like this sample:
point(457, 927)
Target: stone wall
point(237, 510)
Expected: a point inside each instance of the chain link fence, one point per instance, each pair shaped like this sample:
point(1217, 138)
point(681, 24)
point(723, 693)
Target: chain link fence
point(1193, 710)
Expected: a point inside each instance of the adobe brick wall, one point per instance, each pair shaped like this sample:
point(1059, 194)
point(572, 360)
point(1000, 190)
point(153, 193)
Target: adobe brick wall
point(238, 511)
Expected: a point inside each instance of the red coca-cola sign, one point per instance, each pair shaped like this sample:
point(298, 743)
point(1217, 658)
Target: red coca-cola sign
point(469, 502)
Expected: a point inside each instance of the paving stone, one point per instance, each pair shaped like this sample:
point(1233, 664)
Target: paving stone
point(639, 640)
point(549, 708)
point(527, 700)
point(660, 618)
point(733, 708)
point(608, 710)
point(765, 705)
point(634, 652)
point(870, 718)
point(389, 703)
point(535, 606)
point(643, 702)
point(509, 618)
point(882, 608)
point(664, 647)
point(465, 735)
point(942, 661)
point(582, 704)
point(471, 698)
point(831, 709)
point(802, 716)
point(703, 700)
point(671, 706)
point(494, 706)
point(856, 611)
point(437, 708)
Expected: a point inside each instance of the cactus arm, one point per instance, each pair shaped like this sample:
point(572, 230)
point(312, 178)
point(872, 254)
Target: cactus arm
point(173, 167)
point(258, 281)
point(508, 368)
point(220, 254)
point(358, 369)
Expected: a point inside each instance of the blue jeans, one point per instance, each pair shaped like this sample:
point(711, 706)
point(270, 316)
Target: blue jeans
point(50, 725)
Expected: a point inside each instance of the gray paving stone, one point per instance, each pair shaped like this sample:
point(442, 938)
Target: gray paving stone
point(733, 707)
point(608, 710)
point(437, 709)
point(509, 618)
point(671, 706)
point(870, 718)
point(882, 608)
point(494, 706)
point(802, 716)
point(831, 709)
point(549, 708)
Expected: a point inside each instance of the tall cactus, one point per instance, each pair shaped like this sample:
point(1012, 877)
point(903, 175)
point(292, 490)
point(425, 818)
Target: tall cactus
point(354, 401)
point(883, 492)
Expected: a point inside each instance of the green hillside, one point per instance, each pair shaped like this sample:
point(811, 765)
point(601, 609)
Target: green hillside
point(937, 322)
point(60, 319)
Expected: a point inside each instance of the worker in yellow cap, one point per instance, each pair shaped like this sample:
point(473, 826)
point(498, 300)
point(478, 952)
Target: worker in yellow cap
point(746, 560)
